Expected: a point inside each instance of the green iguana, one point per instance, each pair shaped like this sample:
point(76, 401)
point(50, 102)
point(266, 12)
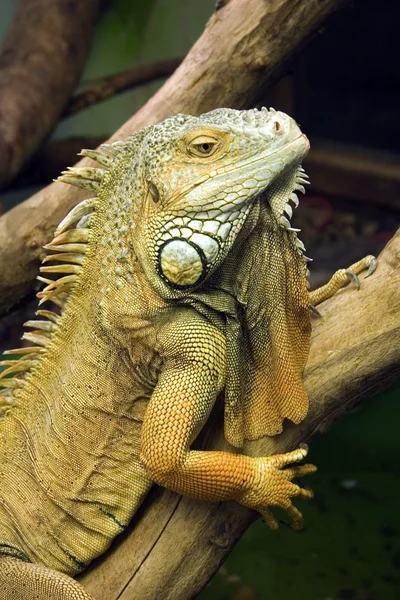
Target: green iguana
point(182, 278)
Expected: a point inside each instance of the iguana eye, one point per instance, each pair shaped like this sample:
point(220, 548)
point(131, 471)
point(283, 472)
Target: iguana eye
point(203, 146)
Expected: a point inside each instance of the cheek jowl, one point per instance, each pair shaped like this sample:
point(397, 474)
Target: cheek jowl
point(183, 263)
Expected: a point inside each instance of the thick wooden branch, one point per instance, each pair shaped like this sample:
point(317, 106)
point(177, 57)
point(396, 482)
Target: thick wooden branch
point(101, 89)
point(174, 544)
point(244, 46)
point(41, 60)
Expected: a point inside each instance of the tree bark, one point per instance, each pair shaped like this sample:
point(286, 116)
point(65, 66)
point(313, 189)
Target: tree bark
point(174, 544)
point(41, 60)
point(244, 46)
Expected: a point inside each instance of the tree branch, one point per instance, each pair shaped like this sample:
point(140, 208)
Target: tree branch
point(244, 46)
point(175, 544)
point(41, 60)
point(101, 89)
point(363, 174)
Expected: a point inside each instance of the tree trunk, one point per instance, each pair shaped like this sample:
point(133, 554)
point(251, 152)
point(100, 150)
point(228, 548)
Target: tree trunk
point(41, 60)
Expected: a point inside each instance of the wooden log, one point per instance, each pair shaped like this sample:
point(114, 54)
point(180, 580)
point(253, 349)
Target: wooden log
point(174, 544)
point(244, 46)
point(41, 60)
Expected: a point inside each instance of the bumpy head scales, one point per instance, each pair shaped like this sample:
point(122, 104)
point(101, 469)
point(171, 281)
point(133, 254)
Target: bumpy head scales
point(199, 178)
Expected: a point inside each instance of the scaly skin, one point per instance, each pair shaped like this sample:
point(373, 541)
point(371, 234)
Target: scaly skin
point(185, 280)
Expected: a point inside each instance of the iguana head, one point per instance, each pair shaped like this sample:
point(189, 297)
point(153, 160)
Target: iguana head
point(199, 178)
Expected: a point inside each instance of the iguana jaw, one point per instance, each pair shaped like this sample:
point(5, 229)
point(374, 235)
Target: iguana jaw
point(192, 244)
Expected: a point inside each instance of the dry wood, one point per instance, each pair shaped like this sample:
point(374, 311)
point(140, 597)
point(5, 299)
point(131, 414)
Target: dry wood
point(101, 89)
point(175, 544)
point(41, 60)
point(242, 48)
point(364, 175)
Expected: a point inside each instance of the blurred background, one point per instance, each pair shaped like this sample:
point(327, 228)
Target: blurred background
point(344, 90)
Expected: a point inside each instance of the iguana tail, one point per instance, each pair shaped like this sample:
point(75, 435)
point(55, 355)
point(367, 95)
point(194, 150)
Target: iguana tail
point(21, 580)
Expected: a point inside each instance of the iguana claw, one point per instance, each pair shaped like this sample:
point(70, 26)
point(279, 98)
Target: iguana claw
point(372, 266)
point(370, 262)
point(340, 278)
point(273, 486)
point(353, 278)
point(314, 310)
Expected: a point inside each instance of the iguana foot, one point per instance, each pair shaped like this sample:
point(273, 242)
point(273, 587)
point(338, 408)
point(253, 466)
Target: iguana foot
point(24, 581)
point(340, 278)
point(273, 486)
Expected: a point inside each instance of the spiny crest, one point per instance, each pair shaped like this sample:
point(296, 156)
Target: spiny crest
point(67, 253)
point(88, 178)
point(284, 210)
point(283, 206)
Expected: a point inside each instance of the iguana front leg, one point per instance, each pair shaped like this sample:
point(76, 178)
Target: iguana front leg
point(25, 581)
point(179, 407)
point(341, 277)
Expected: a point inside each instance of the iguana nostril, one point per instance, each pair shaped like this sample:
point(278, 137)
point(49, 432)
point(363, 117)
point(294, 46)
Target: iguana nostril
point(277, 126)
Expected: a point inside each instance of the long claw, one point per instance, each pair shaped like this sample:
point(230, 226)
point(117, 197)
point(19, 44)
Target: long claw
point(340, 278)
point(353, 277)
point(371, 267)
point(314, 310)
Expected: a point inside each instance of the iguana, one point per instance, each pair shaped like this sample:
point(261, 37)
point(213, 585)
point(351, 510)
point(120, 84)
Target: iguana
point(181, 279)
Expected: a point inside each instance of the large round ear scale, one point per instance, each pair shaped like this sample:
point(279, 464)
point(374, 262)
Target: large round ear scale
point(181, 263)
